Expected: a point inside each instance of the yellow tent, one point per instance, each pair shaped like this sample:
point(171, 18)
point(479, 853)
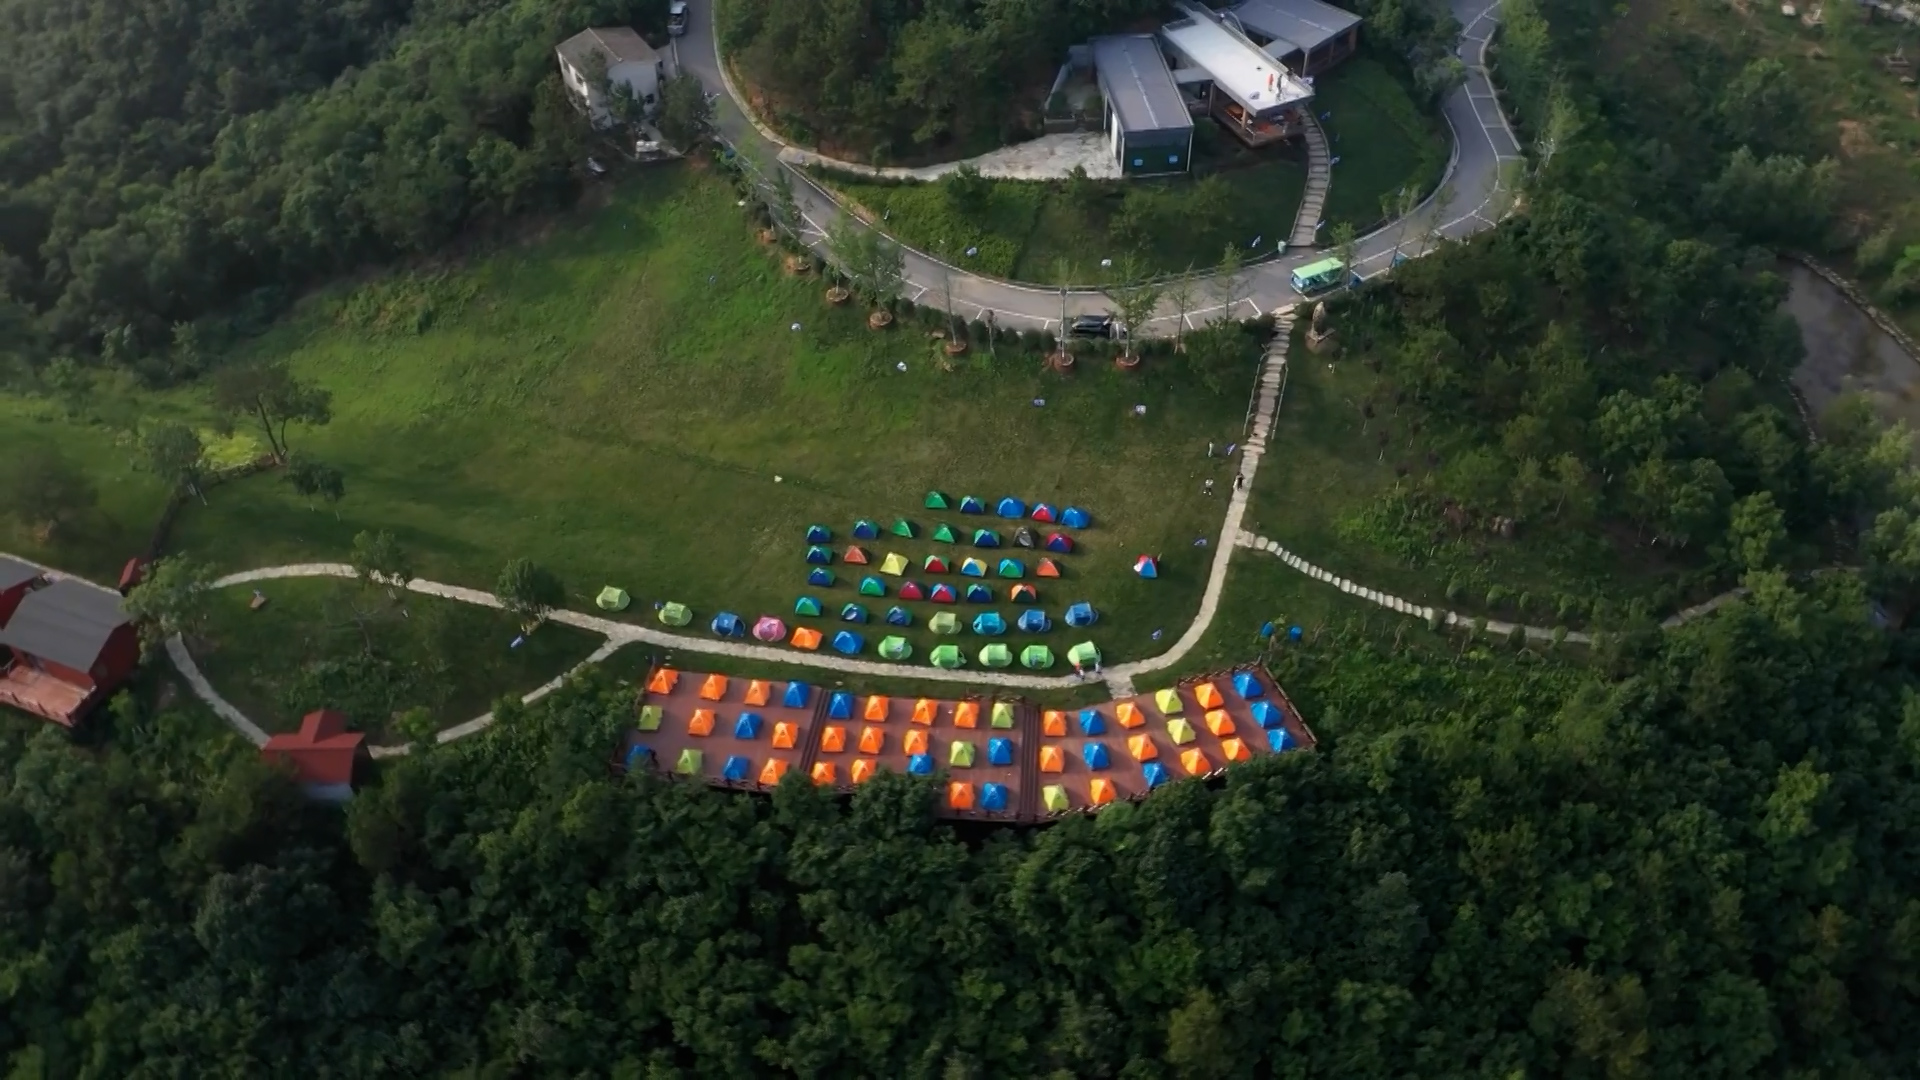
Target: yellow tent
point(1167, 701)
point(1180, 731)
point(894, 564)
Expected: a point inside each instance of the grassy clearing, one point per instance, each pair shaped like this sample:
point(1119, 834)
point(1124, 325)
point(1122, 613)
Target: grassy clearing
point(1051, 231)
point(1327, 492)
point(617, 400)
point(450, 658)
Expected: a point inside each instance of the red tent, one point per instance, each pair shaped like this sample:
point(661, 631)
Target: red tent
point(912, 590)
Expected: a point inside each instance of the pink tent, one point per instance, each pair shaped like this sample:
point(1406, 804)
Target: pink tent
point(769, 629)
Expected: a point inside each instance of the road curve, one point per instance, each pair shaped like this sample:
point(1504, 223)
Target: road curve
point(1483, 143)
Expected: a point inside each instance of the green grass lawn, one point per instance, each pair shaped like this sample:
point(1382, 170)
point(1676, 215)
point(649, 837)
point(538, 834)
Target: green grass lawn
point(624, 401)
point(1050, 231)
point(448, 657)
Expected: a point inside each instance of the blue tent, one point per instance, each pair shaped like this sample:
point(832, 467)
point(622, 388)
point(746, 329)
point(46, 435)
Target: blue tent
point(920, 765)
point(986, 538)
point(737, 768)
point(1278, 740)
point(1267, 715)
point(1081, 614)
point(818, 534)
point(848, 643)
point(1155, 774)
point(1075, 518)
point(853, 613)
point(840, 706)
point(820, 576)
point(899, 616)
point(971, 505)
point(979, 594)
point(819, 556)
point(1092, 723)
point(727, 624)
point(993, 797)
point(1247, 686)
point(1034, 621)
point(1011, 507)
point(748, 726)
point(999, 751)
point(1059, 543)
point(796, 695)
point(865, 530)
point(989, 622)
point(1011, 568)
point(638, 755)
point(1147, 567)
point(1095, 755)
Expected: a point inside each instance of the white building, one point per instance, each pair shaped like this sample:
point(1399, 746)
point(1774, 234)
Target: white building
point(627, 60)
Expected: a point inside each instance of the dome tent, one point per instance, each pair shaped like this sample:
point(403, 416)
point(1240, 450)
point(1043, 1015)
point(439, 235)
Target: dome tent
point(819, 534)
point(820, 577)
point(1034, 621)
point(855, 555)
point(612, 599)
point(986, 538)
point(1247, 685)
point(854, 613)
point(1036, 657)
point(1147, 567)
point(973, 567)
point(1011, 507)
point(748, 726)
point(1095, 756)
point(865, 530)
point(872, 586)
point(1075, 518)
point(1279, 741)
point(946, 656)
point(904, 528)
point(895, 647)
point(1060, 543)
point(1267, 715)
point(1044, 513)
point(1092, 723)
point(912, 590)
point(1054, 796)
point(944, 622)
point(1011, 568)
point(996, 655)
point(1023, 537)
point(1084, 655)
point(899, 616)
point(1155, 774)
point(895, 564)
point(970, 504)
point(768, 628)
point(737, 769)
point(935, 500)
point(1082, 614)
point(934, 564)
point(840, 705)
point(944, 533)
point(943, 594)
point(1048, 569)
point(796, 695)
point(979, 594)
point(1024, 593)
point(674, 614)
point(805, 637)
point(1000, 752)
point(989, 623)
point(727, 624)
point(993, 797)
point(819, 556)
point(806, 605)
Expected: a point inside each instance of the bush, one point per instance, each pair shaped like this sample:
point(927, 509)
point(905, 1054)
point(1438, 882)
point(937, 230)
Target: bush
point(1495, 597)
point(977, 330)
point(1523, 603)
point(1455, 587)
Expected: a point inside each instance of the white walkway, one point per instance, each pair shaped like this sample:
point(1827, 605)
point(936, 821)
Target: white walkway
point(1050, 157)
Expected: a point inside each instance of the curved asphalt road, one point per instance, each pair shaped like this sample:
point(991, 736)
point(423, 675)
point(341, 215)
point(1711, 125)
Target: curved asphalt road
point(1483, 143)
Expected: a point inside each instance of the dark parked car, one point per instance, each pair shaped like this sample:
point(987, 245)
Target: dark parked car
point(1093, 326)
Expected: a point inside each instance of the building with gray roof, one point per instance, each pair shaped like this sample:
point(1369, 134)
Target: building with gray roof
point(1149, 128)
point(1308, 36)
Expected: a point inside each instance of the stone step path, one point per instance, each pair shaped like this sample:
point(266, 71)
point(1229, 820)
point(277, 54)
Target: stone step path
point(1306, 224)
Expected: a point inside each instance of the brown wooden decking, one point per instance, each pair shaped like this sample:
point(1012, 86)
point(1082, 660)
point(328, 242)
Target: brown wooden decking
point(42, 695)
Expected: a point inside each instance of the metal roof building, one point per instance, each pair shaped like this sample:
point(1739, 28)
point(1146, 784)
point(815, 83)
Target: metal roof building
point(1307, 35)
point(1241, 70)
point(1149, 127)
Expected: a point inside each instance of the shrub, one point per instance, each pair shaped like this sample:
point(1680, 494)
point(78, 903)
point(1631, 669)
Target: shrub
point(1523, 603)
point(1495, 596)
point(977, 330)
point(1455, 587)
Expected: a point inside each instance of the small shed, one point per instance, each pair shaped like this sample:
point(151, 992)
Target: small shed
point(325, 756)
point(64, 646)
point(1149, 129)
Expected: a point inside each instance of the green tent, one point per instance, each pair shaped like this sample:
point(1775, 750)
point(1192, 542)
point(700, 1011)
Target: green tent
point(944, 533)
point(1012, 568)
point(1180, 731)
point(689, 763)
point(673, 614)
point(1002, 715)
point(806, 605)
point(960, 754)
point(895, 648)
point(947, 656)
point(1054, 796)
point(1084, 654)
point(936, 501)
point(903, 527)
point(650, 718)
point(945, 622)
point(996, 655)
point(612, 599)
point(1037, 657)
point(872, 587)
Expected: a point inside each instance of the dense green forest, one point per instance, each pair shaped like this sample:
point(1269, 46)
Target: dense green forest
point(1695, 859)
point(164, 159)
point(888, 80)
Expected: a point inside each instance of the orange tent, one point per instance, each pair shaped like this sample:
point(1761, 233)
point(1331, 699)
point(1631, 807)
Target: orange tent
point(702, 722)
point(966, 714)
point(773, 770)
point(872, 740)
point(915, 742)
point(1142, 748)
point(758, 691)
point(1208, 695)
point(1048, 568)
point(1053, 724)
point(877, 708)
point(1129, 714)
point(862, 770)
point(786, 735)
point(856, 555)
point(1052, 760)
point(714, 688)
point(805, 637)
point(1195, 763)
point(1101, 792)
point(833, 740)
point(960, 795)
point(924, 711)
point(663, 681)
point(1234, 750)
point(1219, 722)
point(823, 772)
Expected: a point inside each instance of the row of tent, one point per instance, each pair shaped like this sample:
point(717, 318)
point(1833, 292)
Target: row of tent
point(896, 565)
point(819, 554)
point(822, 578)
point(770, 629)
point(1013, 509)
point(939, 594)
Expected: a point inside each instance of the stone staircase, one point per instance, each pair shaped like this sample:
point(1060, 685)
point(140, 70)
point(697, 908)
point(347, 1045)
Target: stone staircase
point(1319, 177)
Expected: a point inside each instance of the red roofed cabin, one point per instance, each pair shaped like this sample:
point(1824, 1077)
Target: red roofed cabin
point(65, 645)
point(325, 756)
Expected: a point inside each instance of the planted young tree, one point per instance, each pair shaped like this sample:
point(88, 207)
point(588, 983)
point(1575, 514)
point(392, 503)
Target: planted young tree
point(174, 453)
point(42, 489)
point(174, 597)
point(1229, 282)
point(317, 480)
point(1184, 295)
point(273, 398)
point(783, 205)
point(379, 559)
point(1345, 247)
point(529, 590)
point(874, 266)
point(1134, 302)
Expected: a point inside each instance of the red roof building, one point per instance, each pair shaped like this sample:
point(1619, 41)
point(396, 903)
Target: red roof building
point(65, 645)
point(325, 756)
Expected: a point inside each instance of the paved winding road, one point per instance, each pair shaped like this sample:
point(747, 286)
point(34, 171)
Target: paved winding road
point(1483, 143)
